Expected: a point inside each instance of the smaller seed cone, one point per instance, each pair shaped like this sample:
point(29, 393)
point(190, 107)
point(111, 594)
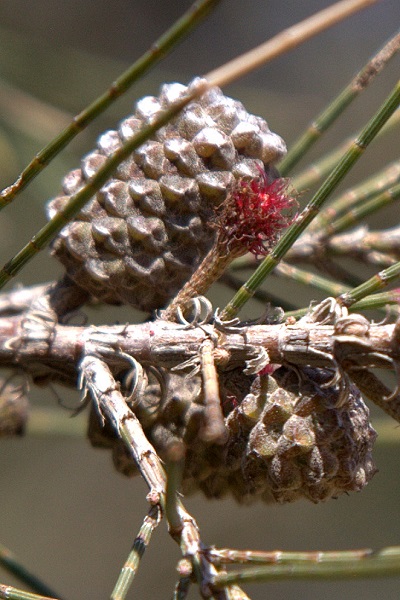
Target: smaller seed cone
point(286, 437)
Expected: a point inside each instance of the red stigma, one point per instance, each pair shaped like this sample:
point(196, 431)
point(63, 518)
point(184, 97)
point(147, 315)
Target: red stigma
point(255, 214)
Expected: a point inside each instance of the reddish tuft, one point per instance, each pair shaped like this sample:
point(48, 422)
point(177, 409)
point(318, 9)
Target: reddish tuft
point(269, 369)
point(256, 213)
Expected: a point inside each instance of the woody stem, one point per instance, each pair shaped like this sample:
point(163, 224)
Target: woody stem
point(209, 271)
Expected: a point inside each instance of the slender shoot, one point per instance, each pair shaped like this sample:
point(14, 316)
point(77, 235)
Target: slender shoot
point(7, 592)
point(319, 169)
point(377, 282)
point(11, 563)
point(311, 210)
point(385, 563)
point(157, 51)
point(286, 40)
point(140, 544)
point(378, 182)
point(328, 116)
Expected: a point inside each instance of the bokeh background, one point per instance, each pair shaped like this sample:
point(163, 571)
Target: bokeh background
point(64, 511)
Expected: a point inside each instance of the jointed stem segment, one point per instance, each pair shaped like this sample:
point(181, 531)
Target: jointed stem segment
point(312, 209)
point(336, 108)
point(140, 544)
point(99, 381)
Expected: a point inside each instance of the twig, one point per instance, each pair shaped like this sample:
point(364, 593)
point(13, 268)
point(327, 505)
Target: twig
point(286, 40)
point(336, 108)
point(383, 564)
point(377, 183)
point(213, 430)
point(140, 544)
point(105, 391)
point(167, 345)
point(7, 592)
point(175, 465)
point(356, 214)
point(308, 214)
point(228, 556)
point(11, 563)
point(316, 171)
point(374, 284)
point(377, 392)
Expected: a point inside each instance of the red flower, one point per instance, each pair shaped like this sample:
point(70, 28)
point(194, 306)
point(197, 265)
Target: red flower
point(255, 213)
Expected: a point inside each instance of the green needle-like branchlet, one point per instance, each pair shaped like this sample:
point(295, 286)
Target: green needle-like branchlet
point(389, 301)
point(139, 546)
point(316, 171)
point(311, 210)
point(381, 564)
point(379, 182)
point(10, 563)
point(374, 284)
point(354, 215)
point(156, 52)
point(339, 104)
point(11, 593)
point(332, 288)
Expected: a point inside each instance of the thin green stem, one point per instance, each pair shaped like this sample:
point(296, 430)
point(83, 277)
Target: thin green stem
point(316, 171)
point(228, 556)
point(11, 563)
point(379, 182)
point(157, 51)
point(375, 283)
point(78, 200)
point(262, 296)
point(385, 563)
point(7, 592)
point(356, 214)
point(374, 301)
point(387, 300)
point(332, 288)
point(311, 210)
point(325, 119)
point(140, 544)
point(311, 279)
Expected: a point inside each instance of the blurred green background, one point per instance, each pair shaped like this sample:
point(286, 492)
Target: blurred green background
point(64, 510)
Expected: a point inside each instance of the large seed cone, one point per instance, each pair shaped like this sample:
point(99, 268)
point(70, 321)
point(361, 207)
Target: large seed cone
point(287, 439)
point(144, 233)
